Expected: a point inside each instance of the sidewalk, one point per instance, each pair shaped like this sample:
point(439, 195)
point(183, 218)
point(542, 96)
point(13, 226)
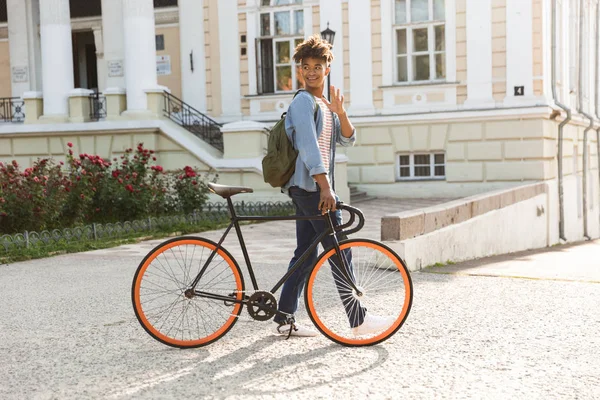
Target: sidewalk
point(475, 330)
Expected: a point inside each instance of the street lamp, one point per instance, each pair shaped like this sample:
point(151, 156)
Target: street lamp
point(329, 36)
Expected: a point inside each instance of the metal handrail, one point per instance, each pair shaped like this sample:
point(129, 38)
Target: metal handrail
point(97, 106)
point(12, 109)
point(193, 120)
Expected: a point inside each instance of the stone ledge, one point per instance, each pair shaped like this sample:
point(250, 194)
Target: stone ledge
point(410, 224)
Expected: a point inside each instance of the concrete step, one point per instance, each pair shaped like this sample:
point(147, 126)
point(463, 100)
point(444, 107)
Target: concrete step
point(358, 196)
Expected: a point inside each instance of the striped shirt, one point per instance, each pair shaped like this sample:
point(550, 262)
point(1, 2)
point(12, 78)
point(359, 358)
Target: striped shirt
point(325, 137)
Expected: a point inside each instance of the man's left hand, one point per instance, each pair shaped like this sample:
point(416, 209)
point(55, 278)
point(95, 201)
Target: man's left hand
point(337, 101)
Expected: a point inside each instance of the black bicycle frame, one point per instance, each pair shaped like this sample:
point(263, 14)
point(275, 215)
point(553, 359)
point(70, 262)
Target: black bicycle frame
point(235, 220)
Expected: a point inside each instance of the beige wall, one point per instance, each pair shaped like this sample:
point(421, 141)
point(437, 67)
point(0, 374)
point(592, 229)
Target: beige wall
point(26, 148)
point(376, 53)
point(476, 150)
point(461, 50)
point(244, 82)
point(499, 50)
point(211, 44)
point(346, 59)
point(5, 88)
point(172, 49)
point(316, 18)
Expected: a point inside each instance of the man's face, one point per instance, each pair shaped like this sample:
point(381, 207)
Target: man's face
point(314, 71)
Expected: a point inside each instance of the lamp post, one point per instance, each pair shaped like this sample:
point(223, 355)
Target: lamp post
point(329, 36)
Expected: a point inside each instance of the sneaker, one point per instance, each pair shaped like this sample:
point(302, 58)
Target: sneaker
point(372, 324)
point(296, 330)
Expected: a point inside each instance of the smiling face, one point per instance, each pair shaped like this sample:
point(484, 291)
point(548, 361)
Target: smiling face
point(314, 71)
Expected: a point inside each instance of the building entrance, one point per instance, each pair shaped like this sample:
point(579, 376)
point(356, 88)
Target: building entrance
point(85, 64)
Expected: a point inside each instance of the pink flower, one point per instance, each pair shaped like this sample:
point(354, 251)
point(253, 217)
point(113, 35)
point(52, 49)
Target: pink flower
point(82, 196)
point(15, 164)
point(194, 183)
point(70, 144)
point(129, 188)
point(153, 158)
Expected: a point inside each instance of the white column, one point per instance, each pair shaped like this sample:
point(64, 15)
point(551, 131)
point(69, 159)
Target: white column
point(519, 54)
point(100, 64)
point(231, 104)
point(113, 44)
point(34, 47)
point(18, 47)
point(140, 54)
point(361, 71)
point(191, 39)
point(479, 53)
point(57, 58)
point(331, 12)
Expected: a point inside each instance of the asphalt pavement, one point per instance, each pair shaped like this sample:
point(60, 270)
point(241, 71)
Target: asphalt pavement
point(523, 326)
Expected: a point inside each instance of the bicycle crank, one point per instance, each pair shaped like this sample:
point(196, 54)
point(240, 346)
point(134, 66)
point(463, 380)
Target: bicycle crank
point(262, 306)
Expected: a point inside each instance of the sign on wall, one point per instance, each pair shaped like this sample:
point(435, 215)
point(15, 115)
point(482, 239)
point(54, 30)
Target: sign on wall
point(163, 65)
point(20, 74)
point(115, 68)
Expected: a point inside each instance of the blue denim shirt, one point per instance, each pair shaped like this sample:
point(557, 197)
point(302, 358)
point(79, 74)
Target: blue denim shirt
point(303, 131)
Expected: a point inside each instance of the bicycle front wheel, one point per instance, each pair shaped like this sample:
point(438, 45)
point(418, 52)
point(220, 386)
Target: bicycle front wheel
point(160, 282)
point(376, 311)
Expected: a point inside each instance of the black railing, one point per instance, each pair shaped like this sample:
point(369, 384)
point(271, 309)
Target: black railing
point(12, 109)
point(97, 106)
point(194, 121)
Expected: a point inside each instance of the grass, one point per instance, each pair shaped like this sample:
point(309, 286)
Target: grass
point(441, 265)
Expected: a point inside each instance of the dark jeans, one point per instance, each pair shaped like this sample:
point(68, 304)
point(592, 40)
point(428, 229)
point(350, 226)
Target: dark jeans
point(307, 203)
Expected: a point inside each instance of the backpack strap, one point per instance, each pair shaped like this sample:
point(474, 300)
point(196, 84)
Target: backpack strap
point(316, 108)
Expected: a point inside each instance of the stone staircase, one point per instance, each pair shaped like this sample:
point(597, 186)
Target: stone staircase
point(358, 196)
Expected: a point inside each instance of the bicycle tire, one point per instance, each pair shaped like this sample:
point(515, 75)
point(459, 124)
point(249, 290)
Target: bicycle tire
point(162, 275)
point(338, 311)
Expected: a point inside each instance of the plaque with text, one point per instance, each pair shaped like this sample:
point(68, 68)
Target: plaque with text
point(20, 74)
point(115, 68)
point(163, 65)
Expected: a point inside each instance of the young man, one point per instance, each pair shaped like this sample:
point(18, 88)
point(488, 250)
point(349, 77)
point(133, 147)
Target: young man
point(311, 186)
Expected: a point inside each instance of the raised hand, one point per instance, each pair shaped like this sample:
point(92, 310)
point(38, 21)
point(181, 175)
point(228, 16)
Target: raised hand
point(337, 101)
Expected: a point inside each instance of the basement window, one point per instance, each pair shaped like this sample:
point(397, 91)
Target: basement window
point(418, 166)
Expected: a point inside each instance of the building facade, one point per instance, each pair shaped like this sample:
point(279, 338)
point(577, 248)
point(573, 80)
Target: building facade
point(450, 97)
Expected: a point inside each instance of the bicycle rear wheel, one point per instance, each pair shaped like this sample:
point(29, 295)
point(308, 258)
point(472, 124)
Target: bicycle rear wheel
point(161, 280)
point(384, 301)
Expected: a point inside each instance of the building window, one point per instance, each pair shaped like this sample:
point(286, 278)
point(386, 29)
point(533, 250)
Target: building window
point(165, 3)
point(421, 166)
point(3, 11)
point(281, 27)
point(85, 8)
point(160, 42)
point(420, 40)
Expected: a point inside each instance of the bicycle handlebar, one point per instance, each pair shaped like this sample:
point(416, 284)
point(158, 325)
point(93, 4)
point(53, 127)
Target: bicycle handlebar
point(353, 212)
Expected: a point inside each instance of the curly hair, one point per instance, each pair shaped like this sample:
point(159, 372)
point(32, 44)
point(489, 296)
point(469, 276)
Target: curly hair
point(313, 47)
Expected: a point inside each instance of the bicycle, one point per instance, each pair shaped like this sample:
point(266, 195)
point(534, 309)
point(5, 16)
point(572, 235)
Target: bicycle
point(183, 302)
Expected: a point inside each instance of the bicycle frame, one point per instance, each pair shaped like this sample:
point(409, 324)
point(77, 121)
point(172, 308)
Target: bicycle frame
point(235, 220)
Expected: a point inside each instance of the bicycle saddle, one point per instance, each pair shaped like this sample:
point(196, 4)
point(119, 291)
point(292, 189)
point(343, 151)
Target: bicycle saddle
point(228, 191)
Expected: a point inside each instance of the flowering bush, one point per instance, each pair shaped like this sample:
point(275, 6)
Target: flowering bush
point(90, 189)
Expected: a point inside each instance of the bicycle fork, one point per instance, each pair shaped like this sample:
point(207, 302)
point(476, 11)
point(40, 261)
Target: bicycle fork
point(345, 267)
